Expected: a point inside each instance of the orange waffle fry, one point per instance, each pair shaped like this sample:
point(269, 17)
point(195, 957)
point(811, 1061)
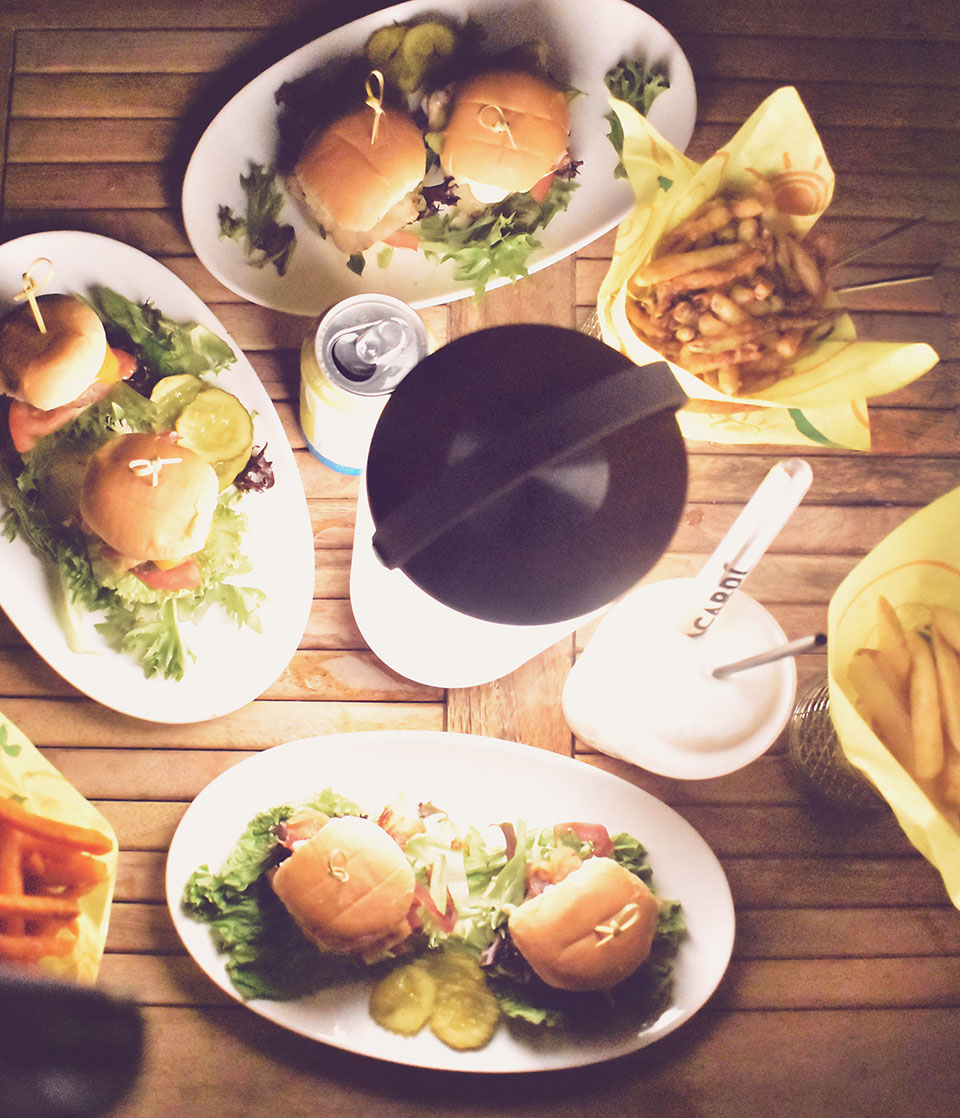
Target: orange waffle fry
point(78, 838)
point(45, 866)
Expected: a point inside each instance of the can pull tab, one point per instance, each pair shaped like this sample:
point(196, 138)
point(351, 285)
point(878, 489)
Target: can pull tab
point(358, 350)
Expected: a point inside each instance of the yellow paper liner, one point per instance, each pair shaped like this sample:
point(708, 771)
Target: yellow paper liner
point(914, 567)
point(29, 778)
point(823, 401)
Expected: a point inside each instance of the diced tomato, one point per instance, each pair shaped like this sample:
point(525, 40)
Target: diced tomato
point(185, 576)
point(594, 833)
point(27, 423)
point(539, 189)
point(402, 239)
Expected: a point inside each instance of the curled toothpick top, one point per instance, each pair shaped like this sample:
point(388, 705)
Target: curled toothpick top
point(32, 286)
point(493, 119)
point(151, 467)
point(625, 918)
point(337, 865)
point(374, 91)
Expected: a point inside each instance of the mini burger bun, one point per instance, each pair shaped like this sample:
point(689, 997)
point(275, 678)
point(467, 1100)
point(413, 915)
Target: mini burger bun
point(349, 888)
point(507, 129)
point(166, 521)
point(361, 191)
point(48, 370)
point(567, 933)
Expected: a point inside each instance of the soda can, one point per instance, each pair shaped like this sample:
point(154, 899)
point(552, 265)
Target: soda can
point(360, 351)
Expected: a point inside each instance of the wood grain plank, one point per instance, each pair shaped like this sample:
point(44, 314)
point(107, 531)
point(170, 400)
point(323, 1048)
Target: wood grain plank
point(173, 51)
point(818, 1049)
point(256, 726)
point(137, 95)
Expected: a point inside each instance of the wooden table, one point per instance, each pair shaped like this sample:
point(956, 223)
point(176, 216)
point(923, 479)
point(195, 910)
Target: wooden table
point(843, 995)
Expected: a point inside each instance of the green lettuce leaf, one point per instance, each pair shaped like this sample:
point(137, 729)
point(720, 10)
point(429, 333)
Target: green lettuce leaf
point(264, 238)
point(497, 243)
point(631, 81)
point(165, 347)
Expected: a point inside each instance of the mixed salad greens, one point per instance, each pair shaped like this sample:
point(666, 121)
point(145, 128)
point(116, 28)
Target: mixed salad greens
point(471, 879)
point(37, 488)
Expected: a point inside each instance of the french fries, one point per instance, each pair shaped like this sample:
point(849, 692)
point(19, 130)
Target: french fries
point(732, 296)
point(908, 690)
point(46, 866)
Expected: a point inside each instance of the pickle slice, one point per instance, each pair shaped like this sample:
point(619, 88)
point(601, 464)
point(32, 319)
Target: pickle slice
point(403, 1000)
point(219, 428)
point(465, 1015)
point(384, 44)
point(172, 394)
point(422, 47)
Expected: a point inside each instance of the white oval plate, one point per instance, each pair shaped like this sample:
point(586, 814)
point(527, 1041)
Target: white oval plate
point(233, 666)
point(590, 37)
point(477, 780)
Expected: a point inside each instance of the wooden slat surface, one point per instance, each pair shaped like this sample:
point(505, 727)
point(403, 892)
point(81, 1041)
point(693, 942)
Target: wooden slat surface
point(843, 994)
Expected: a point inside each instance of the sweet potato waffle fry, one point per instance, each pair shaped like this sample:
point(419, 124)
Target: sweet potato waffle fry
point(45, 867)
point(733, 295)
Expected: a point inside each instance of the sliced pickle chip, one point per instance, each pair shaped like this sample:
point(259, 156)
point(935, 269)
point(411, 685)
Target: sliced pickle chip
point(403, 1000)
point(172, 394)
point(219, 428)
point(465, 1015)
point(423, 46)
point(452, 967)
point(406, 54)
point(384, 44)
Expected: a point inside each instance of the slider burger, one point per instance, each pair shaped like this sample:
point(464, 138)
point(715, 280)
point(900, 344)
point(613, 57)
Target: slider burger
point(54, 373)
point(589, 931)
point(349, 888)
point(150, 503)
point(359, 177)
point(507, 130)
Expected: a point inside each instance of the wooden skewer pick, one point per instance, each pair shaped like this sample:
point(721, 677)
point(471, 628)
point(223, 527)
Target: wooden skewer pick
point(375, 101)
point(32, 287)
point(498, 124)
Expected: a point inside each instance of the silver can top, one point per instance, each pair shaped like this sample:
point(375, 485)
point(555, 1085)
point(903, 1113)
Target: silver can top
point(368, 344)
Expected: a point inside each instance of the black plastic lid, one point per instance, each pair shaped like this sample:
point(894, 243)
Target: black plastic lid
point(527, 474)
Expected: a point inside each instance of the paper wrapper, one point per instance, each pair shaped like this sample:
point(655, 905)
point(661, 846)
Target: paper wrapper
point(27, 777)
point(915, 567)
point(824, 401)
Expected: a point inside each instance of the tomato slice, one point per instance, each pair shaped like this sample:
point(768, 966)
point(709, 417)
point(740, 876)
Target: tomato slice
point(27, 423)
point(540, 189)
point(185, 576)
point(401, 239)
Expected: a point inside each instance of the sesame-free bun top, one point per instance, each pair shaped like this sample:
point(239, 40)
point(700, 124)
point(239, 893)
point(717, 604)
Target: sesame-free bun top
point(507, 129)
point(354, 184)
point(48, 370)
point(591, 930)
point(349, 887)
point(166, 521)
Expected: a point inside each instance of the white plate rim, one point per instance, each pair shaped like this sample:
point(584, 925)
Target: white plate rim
point(244, 130)
point(400, 760)
point(81, 259)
